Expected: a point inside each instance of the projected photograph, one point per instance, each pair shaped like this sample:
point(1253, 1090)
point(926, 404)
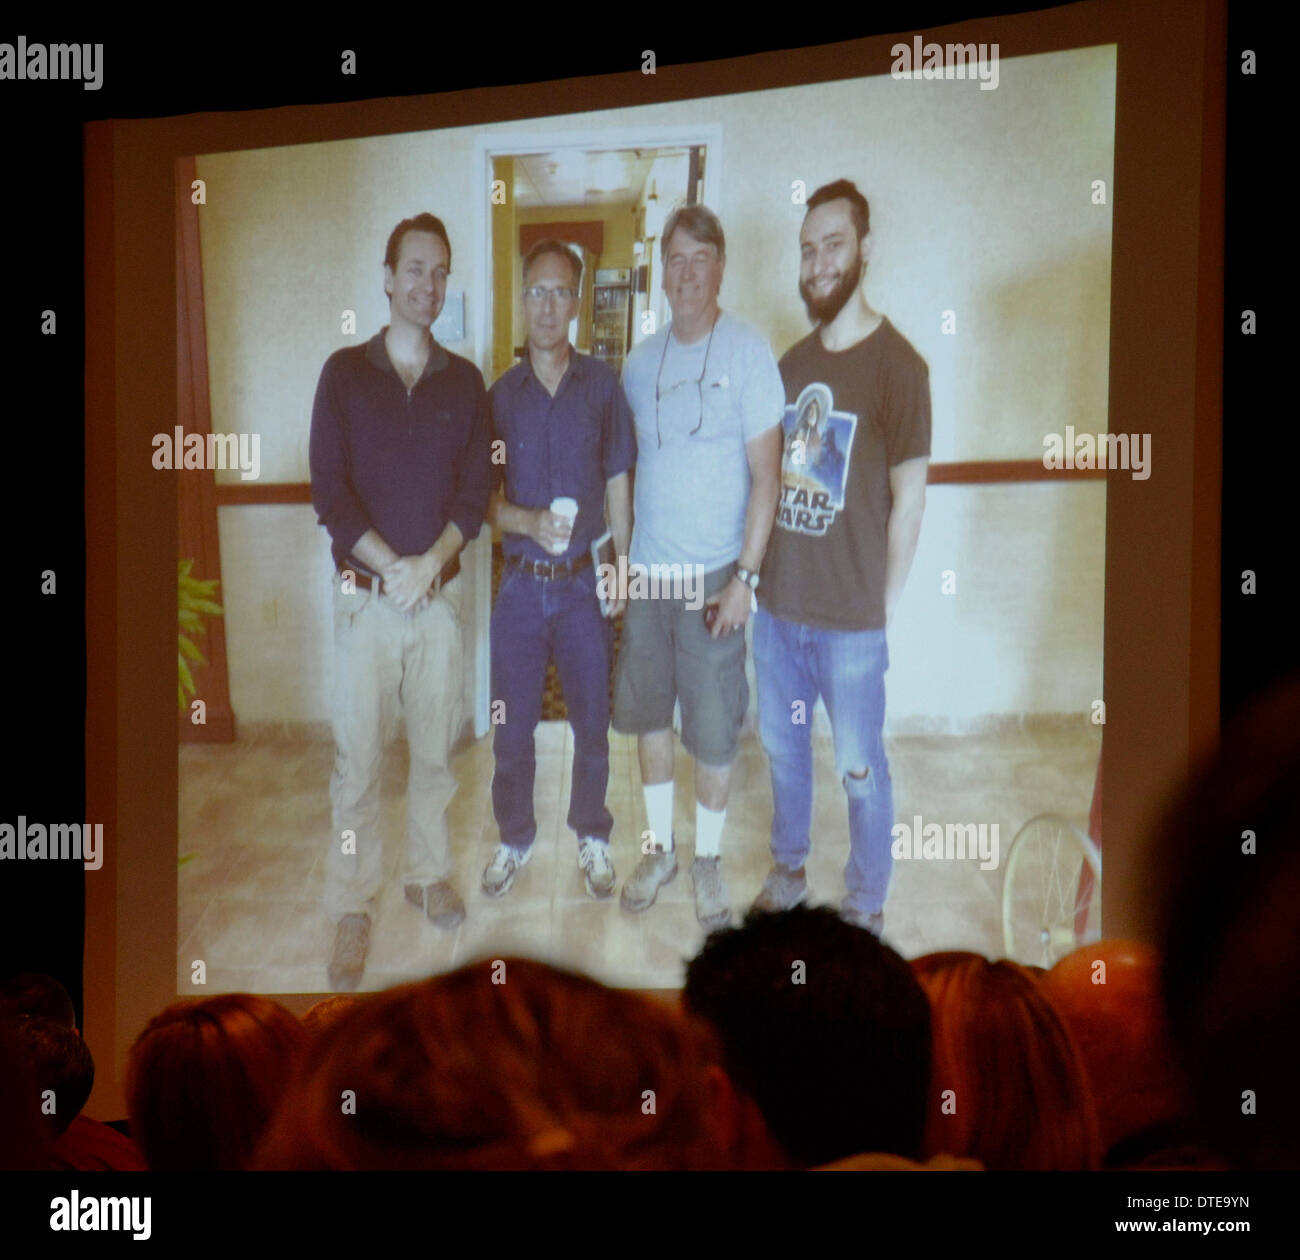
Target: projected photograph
point(808, 344)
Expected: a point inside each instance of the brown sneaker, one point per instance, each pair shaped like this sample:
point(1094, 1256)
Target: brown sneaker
point(783, 889)
point(712, 904)
point(653, 871)
point(348, 959)
point(441, 902)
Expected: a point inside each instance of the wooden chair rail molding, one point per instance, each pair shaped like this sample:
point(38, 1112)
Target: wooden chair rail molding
point(970, 473)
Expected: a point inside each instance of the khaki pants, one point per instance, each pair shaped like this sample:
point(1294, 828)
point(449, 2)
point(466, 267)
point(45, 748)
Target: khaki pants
point(383, 657)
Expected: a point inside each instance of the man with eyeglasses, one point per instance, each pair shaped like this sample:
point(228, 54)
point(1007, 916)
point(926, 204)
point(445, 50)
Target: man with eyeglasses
point(708, 400)
point(854, 471)
point(400, 468)
point(567, 434)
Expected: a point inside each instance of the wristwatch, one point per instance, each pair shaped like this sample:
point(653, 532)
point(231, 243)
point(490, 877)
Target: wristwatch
point(750, 579)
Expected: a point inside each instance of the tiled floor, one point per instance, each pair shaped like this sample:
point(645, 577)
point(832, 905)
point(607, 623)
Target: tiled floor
point(255, 815)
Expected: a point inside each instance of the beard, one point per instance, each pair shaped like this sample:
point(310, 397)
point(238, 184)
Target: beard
point(821, 310)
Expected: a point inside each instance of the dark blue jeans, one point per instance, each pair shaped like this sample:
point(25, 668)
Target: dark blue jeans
point(794, 665)
point(534, 619)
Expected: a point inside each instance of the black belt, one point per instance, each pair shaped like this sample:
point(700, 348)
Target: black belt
point(449, 571)
point(544, 569)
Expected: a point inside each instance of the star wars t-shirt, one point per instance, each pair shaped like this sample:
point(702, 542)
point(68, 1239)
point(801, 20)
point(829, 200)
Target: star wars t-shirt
point(850, 416)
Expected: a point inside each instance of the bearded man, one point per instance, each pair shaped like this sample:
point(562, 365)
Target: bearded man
point(857, 447)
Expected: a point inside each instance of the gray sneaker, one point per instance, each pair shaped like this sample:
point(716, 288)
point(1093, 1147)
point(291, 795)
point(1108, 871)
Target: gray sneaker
point(783, 889)
point(593, 861)
point(348, 959)
point(712, 905)
point(500, 872)
point(653, 871)
point(440, 902)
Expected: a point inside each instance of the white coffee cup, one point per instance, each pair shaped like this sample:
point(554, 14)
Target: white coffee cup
point(567, 508)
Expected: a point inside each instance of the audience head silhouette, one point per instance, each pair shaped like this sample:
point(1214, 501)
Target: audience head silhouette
point(505, 1064)
point(1008, 1086)
point(62, 1066)
point(36, 994)
point(25, 1141)
point(1108, 994)
point(327, 1012)
point(1227, 858)
point(204, 1077)
point(823, 1026)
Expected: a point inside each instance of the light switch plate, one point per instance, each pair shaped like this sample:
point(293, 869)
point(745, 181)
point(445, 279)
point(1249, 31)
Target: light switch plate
point(449, 327)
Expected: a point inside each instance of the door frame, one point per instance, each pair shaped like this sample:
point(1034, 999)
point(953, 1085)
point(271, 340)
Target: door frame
point(521, 143)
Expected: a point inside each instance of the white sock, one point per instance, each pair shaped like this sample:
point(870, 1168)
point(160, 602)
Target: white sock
point(708, 831)
point(659, 814)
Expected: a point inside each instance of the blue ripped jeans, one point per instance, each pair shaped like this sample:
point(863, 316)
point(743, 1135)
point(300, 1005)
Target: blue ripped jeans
point(795, 664)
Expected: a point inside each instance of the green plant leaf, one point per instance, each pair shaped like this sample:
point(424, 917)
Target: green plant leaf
point(194, 602)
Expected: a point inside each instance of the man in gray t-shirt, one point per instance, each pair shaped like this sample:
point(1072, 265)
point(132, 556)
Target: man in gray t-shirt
point(708, 401)
point(693, 481)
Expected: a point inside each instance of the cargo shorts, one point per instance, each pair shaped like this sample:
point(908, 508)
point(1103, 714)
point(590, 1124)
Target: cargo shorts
point(667, 654)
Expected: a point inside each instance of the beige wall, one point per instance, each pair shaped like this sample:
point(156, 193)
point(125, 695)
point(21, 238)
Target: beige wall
point(981, 204)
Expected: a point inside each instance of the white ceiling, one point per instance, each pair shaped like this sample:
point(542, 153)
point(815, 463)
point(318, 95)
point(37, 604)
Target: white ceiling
point(577, 177)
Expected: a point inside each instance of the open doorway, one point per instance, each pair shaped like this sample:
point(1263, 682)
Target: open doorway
point(607, 195)
point(609, 204)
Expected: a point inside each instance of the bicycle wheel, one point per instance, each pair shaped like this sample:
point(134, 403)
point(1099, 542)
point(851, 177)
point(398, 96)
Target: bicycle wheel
point(1041, 902)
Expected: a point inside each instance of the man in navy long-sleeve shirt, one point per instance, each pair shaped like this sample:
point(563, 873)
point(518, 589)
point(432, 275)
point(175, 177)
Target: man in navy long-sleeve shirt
point(568, 433)
point(401, 474)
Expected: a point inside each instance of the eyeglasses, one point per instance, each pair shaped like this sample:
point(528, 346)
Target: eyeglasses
point(699, 385)
point(536, 293)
